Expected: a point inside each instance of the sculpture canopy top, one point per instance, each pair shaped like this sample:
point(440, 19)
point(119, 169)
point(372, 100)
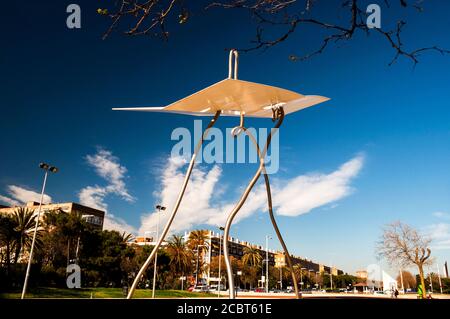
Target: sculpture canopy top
point(235, 97)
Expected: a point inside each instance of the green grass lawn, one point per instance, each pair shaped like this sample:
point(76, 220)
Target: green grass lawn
point(101, 293)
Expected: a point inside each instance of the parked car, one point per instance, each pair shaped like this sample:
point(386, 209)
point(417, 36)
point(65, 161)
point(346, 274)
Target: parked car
point(238, 289)
point(216, 287)
point(260, 290)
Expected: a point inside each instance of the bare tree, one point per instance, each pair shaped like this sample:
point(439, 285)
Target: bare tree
point(404, 246)
point(280, 17)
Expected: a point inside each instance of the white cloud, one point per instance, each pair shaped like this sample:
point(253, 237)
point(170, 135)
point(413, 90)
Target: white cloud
point(19, 195)
point(440, 234)
point(442, 215)
point(9, 201)
point(293, 197)
point(93, 196)
point(107, 166)
point(195, 207)
point(112, 222)
point(304, 193)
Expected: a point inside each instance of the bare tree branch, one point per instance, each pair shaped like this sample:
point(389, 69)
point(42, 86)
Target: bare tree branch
point(148, 17)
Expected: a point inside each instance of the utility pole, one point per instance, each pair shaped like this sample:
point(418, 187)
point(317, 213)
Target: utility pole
point(159, 208)
point(431, 283)
point(401, 280)
point(439, 275)
point(281, 277)
point(267, 263)
point(331, 276)
point(220, 259)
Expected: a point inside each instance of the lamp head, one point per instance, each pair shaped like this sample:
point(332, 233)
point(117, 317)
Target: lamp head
point(47, 167)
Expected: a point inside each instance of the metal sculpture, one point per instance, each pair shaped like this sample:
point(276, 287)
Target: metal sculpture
point(233, 97)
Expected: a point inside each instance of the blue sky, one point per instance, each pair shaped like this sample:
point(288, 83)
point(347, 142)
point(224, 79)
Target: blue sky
point(59, 85)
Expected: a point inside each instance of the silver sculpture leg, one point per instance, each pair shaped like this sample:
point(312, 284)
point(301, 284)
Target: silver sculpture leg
point(175, 209)
point(280, 238)
point(272, 216)
point(279, 115)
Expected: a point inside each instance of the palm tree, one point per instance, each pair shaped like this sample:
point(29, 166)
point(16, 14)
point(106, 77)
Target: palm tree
point(126, 237)
point(25, 222)
point(180, 257)
point(251, 256)
point(198, 238)
point(7, 238)
point(198, 242)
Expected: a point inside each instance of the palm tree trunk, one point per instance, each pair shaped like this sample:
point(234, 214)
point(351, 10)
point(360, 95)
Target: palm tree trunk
point(8, 257)
point(17, 252)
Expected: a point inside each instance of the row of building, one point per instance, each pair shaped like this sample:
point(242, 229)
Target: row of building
point(214, 248)
point(96, 218)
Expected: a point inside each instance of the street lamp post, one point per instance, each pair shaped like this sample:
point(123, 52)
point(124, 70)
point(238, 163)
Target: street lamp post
point(309, 274)
point(431, 283)
point(267, 263)
point(401, 279)
point(182, 278)
point(439, 276)
point(46, 168)
point(220, 258)
point(159, 208)
point(317, 281)
point(331, 278)
point(263, 282)
point(281, 277)
point(301, 277)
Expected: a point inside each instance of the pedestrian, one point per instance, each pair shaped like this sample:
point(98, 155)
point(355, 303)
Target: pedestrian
point(396, 293)
point(419, 291)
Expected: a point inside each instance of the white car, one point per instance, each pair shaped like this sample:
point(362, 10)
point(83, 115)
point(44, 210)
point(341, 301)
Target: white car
point(215, 287)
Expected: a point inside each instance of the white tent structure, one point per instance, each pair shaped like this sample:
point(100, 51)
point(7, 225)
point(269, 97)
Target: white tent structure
point(389, 283)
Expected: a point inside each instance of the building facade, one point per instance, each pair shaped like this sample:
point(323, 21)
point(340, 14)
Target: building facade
point(236, 249)
point(93, 216)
